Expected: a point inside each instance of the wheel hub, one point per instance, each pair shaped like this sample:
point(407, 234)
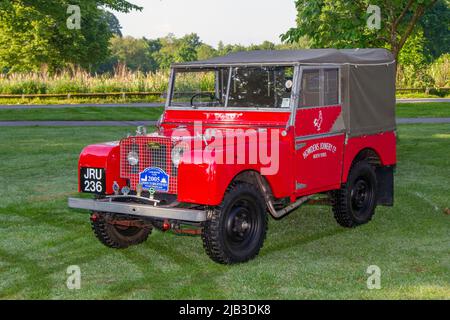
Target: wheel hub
point(238, 224)
point(360, 194)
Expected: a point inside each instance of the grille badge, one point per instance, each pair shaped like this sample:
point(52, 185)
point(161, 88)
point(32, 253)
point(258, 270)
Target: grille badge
point(154, 145)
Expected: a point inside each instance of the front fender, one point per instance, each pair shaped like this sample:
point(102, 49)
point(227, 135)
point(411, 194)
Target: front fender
point(197, 179)
point(105, 156)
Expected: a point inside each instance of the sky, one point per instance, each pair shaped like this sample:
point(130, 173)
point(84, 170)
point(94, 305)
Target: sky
point(232, 21)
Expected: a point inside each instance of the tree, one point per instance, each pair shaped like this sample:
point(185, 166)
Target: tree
point(175, 50)
point(52, 7)
point(266, 45)
point(114, 25)
point(440, 71)
point(343, 23)
point(154, 45)
point(187, 48)
point(412, 60)
point(132, 53)
point(34, 33)
point(165, 56)
point(436, 27)
point(205, 51)
point(229, 48)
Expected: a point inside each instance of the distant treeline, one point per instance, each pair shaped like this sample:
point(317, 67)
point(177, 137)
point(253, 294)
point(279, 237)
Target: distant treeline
point(150, 55)
point(39, 54)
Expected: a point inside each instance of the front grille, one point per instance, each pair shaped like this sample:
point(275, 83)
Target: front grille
point(153, 152)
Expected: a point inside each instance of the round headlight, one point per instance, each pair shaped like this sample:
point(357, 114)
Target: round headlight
point(177, 154)
point(133, 158)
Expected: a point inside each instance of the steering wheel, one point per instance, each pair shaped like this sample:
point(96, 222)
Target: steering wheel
point(212, 96)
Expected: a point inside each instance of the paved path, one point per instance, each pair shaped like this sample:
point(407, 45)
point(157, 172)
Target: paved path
point(423, 120)
point(152, 123)
point(97, 105)
point(423, 100)
point(153, 105)
point(76, 123)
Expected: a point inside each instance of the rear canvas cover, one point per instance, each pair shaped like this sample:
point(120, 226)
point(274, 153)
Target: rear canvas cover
point(368, 98)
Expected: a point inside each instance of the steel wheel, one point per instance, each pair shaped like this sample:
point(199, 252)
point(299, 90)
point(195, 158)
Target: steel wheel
point(354, 204)
point(237, 227)
point(241, 225)
point(361, 196)
point(117, 235)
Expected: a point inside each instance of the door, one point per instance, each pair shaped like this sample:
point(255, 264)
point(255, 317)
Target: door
point(319, 131)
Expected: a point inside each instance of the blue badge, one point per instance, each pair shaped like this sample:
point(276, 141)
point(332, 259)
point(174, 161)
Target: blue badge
point(155, 178)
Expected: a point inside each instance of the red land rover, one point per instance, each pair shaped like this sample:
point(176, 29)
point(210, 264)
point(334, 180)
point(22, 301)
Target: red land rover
point(248, 136)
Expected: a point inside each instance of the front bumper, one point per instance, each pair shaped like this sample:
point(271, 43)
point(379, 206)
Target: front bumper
point(139, 210)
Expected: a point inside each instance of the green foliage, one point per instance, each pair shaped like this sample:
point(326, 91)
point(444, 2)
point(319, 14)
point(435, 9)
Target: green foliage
point(343, 24)
point(436, 26)
point(412, 70)
point(150, 55)
point(303, 43)
point(25, 40)
point(205, 52)
point(174, 50)
point(413, 51)
point(34, 34)
point(415, 31)
point(113, 23)
point(187, 48)
point(329, 23)
point(132, 53)
point(440, 71)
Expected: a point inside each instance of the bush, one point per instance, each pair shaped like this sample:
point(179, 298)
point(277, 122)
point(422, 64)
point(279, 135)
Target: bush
point(435, 75)
point(440, 71)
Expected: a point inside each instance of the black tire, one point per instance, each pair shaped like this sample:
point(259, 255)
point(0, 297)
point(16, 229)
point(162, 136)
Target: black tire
point(114, 236)
point(236, 230)
point(354, 204)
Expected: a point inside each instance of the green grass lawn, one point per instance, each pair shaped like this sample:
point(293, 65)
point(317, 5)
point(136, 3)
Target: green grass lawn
point(81, 114)
point(306, 255)
point(423, 110)
point(404, 110)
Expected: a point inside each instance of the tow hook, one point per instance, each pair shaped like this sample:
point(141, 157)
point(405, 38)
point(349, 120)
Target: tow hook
point(166, 226)
point(179, 230)
point(94, 217)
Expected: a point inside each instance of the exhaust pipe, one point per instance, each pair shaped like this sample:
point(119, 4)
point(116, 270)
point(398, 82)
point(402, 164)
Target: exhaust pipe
point(273, 212)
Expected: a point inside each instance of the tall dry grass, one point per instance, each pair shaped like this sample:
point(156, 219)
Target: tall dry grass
point(124, 80)
point(79, 81)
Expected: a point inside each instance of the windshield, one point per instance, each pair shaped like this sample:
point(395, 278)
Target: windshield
point(249, 87)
